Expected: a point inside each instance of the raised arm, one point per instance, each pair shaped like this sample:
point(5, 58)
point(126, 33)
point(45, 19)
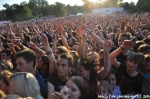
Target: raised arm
point(60, 31)
point(126, 45)
point(108, 44)
point(96, 38)
point(49, 53)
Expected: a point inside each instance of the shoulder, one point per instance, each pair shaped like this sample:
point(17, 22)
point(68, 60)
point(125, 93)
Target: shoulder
point(52, 77)
point(122, 67)
point(39, 76)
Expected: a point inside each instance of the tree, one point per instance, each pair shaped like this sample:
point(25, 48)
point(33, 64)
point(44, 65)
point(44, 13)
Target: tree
point(2, 15)
point(39, 6)
point(17, 12)
point(143, 5)
point(59, 9)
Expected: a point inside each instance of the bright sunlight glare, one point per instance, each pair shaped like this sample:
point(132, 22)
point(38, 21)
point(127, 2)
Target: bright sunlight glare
point(97, 0)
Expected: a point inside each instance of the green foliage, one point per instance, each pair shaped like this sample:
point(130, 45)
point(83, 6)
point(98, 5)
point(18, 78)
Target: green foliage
point(2, 15)
point(18, 12)
point(39, 8)
point(129, 6)
point(143, 5)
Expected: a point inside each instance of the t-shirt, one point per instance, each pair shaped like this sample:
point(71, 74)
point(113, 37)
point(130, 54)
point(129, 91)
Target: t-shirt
point(121, 58)
point(127, 83)
point(42, 84)
point(56, 82)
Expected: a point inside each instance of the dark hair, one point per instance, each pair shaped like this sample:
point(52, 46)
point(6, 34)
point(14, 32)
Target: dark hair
point(28, 38)
point(147, 57)
point(137, 57)
point(8, 52)
point(62, 49)
point(143, 47)
point(89, 64)
point(147, 40)
point(80, 84)
point(127, 35)
point(137, 44)
point(68, 57)
point(45, 60)
point(28, 55)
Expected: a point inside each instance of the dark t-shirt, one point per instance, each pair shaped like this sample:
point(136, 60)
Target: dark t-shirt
point(56, 82)
point(127, 83)
point(121, 58)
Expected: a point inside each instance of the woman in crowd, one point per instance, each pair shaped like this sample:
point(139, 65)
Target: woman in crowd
point(43, 66)
point(74, 89)
point(111, 78)
point(25, 85)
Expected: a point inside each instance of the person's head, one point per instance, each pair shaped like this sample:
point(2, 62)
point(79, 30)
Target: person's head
point(144, 48)
point(12, 97)
point(112, 36)
point(64, 64)
point(111, 78)
point(5, 54)
point(86, 68)
point(25, 84)
point(74, 55)
point(128, 29)
point(115, 29)
point(15, 97)
point(122, 37)
point(72, 41)
point(43, 63)
point(4, 81)
point(103, 88)
point(5, 66)
point(137, 44)
point(93, 55)
point(76, 86)
point(26, 60)
point(134, 60)
point(75, 47)
point(27, 38)
point(146, 63)
point(147, 40)
point(59, 50)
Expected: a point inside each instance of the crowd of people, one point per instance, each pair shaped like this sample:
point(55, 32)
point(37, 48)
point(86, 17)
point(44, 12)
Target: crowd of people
point(79, 57)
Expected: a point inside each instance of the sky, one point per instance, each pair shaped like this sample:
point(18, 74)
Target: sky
point(71, 2)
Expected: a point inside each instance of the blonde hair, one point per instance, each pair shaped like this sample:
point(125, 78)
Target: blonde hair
point(25, 85)
point(5, 77)
point(2, 94)
point(15, 97)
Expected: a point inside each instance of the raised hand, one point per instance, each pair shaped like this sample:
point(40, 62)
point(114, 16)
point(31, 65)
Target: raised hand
point(56, 95)
point(43, 39)
point(64, 92)
point(34, 47)
point(80, 32)
point(108, 45)
point(59, 28)
point(127, 44)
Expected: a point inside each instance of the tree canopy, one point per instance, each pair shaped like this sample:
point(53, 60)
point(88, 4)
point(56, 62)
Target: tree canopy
point(39, 8)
